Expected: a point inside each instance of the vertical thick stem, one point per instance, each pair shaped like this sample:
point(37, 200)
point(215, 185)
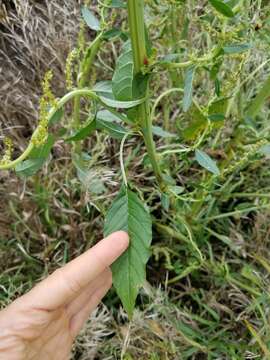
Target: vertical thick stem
point(137, 34)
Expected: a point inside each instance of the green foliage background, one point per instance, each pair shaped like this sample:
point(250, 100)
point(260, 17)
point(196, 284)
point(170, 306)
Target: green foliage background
point(207, 295)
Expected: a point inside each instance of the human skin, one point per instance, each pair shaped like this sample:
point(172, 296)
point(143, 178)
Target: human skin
point(42, 324)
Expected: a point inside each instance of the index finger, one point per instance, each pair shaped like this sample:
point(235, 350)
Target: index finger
point(60, 287)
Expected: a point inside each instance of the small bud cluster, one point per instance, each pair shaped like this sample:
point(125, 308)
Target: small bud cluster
point(69, 68)
point(6, 159)
point(47, 101)
point(245, 158)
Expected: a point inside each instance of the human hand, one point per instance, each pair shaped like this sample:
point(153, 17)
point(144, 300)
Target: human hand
point(44, 323)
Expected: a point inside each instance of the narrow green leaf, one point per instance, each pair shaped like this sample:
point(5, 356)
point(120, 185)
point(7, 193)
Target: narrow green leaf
point(158, 131)
point(110, 123)
point(187, 101)
point(90, 19)
point(129, 214)
point(112, 34)
point(84, 132)
point(236, 48)
point(121, 104)
point(118, 4)
point(106, 115)
point(206, 162)
point(115, 130)
point(56, 117)
point(216, 117)
point(222, 8)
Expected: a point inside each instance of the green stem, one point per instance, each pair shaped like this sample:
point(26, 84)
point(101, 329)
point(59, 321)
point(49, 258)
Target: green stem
point(137, 34)
point(85, 75)
point(17, 161)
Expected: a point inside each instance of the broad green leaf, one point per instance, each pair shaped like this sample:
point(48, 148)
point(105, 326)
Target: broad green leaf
point(121, 104)
point(187, 101)
point(236, 48)
point(90, 19)
point(84, 132)
point(222, 8)
point(206, 162)
point(36, 159)
point(122, 82)
point(129, 214)
point(126, 85)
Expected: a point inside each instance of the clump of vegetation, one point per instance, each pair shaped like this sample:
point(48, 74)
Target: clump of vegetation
point(183, 104)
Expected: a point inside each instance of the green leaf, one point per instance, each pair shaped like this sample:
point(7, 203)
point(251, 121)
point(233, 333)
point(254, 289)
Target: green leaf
point(106, 115)
point(122, 82)
point(265, 149)
point(90, 19)
point(158, 131)
point(216, 117)
point(104, 88)
point(176, 189)
point(29, 167)
point(56, 117)
point(110, 123)
point(236, 48)
point(222, 8)
point(36, 159)
point(206, 162)
point(115, 130)
point(121, 104)
point(218, 108)
point(118, 4)
point(112, 33)
point(129, 214)
point(127, 86)
point(198, 123)
point(187, 101)
point(84, 132)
